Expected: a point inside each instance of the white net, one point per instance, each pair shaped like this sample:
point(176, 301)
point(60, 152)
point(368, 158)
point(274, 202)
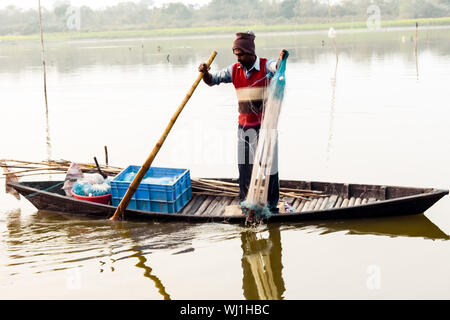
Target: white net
point(264, 160)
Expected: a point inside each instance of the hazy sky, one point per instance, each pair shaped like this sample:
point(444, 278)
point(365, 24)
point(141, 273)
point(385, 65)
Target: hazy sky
point(90, 3)
point(103, 3)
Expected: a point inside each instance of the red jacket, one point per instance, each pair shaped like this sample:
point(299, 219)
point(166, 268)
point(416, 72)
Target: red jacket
point(251, 93)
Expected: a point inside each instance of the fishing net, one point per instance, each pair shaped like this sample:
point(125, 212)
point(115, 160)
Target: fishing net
point(92, 185)
point(255, 205)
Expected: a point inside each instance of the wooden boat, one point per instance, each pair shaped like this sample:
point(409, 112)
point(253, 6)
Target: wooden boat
point(327, 201)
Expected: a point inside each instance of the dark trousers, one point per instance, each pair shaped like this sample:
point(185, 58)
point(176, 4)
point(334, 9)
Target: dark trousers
point(247, 142)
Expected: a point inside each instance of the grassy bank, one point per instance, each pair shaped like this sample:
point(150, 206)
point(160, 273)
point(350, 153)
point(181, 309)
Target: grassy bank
point(217, 30)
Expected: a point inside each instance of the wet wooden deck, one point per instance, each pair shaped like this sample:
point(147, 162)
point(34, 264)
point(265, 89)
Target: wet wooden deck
point(201, 205)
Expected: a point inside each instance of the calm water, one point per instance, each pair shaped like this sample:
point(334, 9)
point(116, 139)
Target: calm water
point(379, 117)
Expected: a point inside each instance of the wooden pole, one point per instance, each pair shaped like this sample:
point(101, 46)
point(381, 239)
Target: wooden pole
point(329, 12)
point(335, 50)
point(415, 49)
point(141, 173)
point(43, 55)
point(104, 175)
point(45, 80)
point(106, 156)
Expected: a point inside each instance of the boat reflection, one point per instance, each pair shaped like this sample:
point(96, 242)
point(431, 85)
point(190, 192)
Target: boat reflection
point(400, 226)
point(85, 239)
point(261, 254)
point(261, 264)
point(32, 240)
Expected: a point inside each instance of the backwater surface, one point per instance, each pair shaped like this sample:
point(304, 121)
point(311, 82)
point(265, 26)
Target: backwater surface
point(378, 116)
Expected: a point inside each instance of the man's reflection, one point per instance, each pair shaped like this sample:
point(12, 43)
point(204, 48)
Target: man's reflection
point(261, 263)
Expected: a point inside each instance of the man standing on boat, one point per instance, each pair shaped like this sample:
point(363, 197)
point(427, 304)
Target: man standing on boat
point(251, 77)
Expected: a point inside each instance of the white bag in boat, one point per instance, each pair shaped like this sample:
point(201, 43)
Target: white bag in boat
point(73, 174)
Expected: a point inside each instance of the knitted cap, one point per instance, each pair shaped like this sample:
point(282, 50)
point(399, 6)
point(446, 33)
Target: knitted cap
point(245, 41)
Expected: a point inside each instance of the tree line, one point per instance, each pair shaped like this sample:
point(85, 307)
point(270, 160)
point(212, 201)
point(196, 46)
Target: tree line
point(143, 15)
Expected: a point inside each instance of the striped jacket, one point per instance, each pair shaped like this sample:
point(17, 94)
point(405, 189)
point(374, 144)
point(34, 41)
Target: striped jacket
point(250, 88)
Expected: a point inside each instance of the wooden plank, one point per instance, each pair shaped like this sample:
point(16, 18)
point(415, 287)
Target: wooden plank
point(364, 201)
point(301, 205)
point(211, 206)
point(189, 205)
point(198, 202)
point(235, 201)
point(214, 211)
point(318, 204)
point(351, 202)
point(324, 203)
point(306, 206)
point(220, 208)
point(345, 203)
point(312, 204)
point(383, 191)
point(358, 201)
point(204, 205)
point(339, 202)
point(296, 203)
point(232, 210)
point(331, 202)
point(226, 200)
point(226, 205)
point(346, 191)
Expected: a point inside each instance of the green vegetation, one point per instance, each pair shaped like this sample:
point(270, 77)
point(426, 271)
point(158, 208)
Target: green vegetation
point(61, 36)
point(130, 20)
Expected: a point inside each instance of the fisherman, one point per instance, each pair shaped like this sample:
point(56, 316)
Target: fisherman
point(251, 77)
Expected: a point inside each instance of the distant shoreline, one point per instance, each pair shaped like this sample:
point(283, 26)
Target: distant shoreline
point(224, 30)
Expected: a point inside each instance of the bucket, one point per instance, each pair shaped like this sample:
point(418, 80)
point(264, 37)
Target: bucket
point(106, 199)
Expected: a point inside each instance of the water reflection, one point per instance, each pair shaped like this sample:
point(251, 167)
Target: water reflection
point(333, 102)
point(13, 225)
point(261, 258)
point(71, 56)
point(139, 253)
point(261, 264)
point(49, 241)
point(148, 272)
point(415, 50)
point(413, 226)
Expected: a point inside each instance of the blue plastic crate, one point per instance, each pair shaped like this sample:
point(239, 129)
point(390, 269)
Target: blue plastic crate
point(168, 190)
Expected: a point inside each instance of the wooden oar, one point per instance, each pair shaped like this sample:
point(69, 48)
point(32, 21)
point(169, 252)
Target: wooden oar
point(104, 175)
point(141, 173)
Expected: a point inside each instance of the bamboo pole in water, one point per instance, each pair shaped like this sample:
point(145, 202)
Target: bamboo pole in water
point(415, 49)
point(329, 12)
point(43, 55)
point(143, 170)
point(45, 79)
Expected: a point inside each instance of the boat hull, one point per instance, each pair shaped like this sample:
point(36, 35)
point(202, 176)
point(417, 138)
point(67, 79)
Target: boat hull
point(46, 195)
